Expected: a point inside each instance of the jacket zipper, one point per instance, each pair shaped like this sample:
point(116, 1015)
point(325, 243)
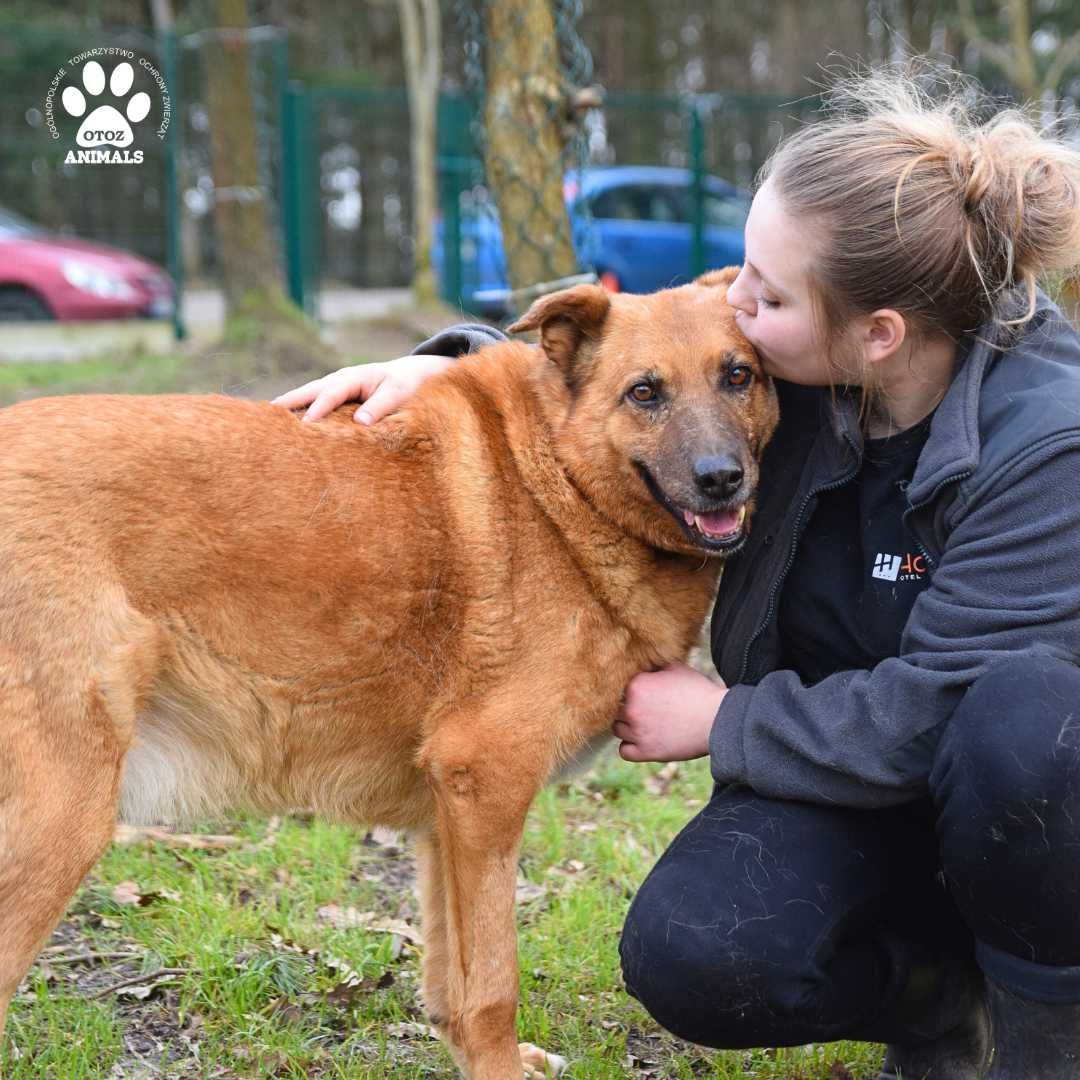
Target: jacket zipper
point(796, 533)
point(955, 478)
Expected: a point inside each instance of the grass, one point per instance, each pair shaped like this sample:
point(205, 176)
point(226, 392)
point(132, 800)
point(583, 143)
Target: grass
point(133, 373)
point(263, 935)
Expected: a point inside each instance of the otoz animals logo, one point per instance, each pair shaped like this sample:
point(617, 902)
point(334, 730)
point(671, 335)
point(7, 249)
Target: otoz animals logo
point(106, 123)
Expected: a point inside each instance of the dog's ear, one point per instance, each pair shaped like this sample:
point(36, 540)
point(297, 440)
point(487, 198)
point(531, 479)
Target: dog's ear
point(564, 320)
point(719, 277)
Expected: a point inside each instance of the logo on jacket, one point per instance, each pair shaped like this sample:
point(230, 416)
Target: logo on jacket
point(898, 567)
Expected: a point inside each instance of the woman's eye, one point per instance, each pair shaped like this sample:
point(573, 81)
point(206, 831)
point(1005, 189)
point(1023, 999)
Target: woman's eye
point(740, 376)
point(768, 303)
point(642, 393)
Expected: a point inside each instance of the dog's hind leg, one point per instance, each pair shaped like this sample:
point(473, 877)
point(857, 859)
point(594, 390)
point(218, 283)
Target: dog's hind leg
point(436, 959)
point(59, 776)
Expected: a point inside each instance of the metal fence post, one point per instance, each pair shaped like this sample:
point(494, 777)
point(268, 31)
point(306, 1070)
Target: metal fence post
point(174, 256)
point(291, 207)
point(697, 189)
point(454, 166)
point(309, 202)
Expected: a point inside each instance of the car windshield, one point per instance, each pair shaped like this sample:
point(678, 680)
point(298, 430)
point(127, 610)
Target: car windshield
point(669, 203)
point(12, 225)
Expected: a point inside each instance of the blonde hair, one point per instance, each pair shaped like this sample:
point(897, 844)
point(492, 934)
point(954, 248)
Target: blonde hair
point(917, 205)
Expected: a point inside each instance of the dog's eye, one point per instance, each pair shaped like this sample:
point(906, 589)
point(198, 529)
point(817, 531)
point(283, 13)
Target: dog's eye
point(740, 375)
point(643, 393)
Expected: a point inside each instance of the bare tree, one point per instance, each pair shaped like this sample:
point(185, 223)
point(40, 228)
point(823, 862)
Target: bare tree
point(1016, 58)
point(422, 43)
point(526, 107)
point(1017, 61)
point(259, 316)
point(249, 257)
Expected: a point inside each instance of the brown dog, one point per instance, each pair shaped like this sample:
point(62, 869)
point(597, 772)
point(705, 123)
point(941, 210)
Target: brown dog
point(206, 604)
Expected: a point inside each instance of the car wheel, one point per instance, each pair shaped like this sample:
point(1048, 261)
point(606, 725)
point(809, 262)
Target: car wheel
point(21, 305)
point(610, 280)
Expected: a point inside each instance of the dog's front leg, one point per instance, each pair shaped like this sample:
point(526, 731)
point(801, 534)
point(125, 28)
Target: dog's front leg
point(481, 801)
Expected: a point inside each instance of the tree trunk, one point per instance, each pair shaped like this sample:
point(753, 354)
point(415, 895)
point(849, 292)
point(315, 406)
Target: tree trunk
point(260, 320)
point(1024, 73)
point(526, 104)
point(422, 41)
point(247, 252)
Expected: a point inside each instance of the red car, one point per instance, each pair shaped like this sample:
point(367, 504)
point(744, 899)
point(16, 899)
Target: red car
point(43, 276)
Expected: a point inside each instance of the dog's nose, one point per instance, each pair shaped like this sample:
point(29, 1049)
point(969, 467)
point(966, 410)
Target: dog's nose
point(718, 477)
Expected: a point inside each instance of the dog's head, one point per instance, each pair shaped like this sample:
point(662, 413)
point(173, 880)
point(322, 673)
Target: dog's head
point(660, 406)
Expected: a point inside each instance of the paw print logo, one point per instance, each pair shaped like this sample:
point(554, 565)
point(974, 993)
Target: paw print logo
point(106, 125)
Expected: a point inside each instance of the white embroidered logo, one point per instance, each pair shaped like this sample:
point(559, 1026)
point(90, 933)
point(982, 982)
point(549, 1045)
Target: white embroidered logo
point(886, 566)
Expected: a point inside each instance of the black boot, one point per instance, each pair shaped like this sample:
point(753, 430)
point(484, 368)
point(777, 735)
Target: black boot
point(1033, 1041)
point(960, 1054)
point(955, 995)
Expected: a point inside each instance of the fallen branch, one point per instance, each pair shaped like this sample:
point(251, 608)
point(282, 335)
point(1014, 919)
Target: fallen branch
point(134, 979)
point(86, 957)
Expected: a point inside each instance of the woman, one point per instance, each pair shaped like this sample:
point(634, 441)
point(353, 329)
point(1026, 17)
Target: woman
point(890, 851)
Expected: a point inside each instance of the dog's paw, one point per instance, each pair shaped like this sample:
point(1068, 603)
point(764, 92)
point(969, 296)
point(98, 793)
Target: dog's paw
point(538, 1065)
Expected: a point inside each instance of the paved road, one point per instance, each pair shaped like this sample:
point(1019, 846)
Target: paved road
point(203, 313)
point(205, 307)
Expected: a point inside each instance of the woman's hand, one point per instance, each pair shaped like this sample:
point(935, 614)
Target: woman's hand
point(381, 387)
point(667, 715)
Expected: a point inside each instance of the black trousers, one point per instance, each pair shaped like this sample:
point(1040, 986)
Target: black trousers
point(777, 923)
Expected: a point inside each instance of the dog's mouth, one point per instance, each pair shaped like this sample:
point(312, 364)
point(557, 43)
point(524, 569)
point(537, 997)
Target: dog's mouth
point(721, 530)
point(717, 526)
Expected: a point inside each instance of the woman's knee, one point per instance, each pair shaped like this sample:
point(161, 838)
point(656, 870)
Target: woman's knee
point(710, 973)
point(689, 973)
point(1006, 781)
point(1015, 735)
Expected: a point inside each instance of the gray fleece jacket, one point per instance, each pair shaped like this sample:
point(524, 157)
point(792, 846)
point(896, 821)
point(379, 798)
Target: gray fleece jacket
point(994, 506)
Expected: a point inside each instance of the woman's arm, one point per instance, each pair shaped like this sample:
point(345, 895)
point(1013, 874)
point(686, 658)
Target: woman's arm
point(385, 386)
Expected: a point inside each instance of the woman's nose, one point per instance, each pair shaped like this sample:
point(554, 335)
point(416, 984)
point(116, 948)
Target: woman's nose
point(738, 295)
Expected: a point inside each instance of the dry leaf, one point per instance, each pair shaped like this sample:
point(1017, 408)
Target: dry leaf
point(346, 971)
point(660, 781)
point(286, 1011)
point(345, 993)
point(350, 918)
point(344, 918)
point(127, 892)
point(527, 891)
point(411, 1031)
point(144, 990)
point(130, 834)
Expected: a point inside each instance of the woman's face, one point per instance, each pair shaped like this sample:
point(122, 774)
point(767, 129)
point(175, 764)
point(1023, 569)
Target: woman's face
point(771, 295)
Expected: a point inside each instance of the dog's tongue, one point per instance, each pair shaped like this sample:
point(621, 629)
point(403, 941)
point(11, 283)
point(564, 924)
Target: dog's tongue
point(717, 523)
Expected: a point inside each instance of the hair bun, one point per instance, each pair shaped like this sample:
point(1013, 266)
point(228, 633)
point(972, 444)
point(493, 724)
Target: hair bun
point(1021, 192)
point(925, 197)
point(977, 169)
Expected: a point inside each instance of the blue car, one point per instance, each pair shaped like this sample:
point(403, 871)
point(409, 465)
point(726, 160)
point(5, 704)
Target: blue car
point(631, 224)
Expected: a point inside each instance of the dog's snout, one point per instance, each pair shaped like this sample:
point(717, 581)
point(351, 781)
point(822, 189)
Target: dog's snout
point(718, 476)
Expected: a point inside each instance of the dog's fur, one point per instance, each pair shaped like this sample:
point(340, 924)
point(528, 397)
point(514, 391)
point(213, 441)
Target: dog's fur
point(206, 604)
